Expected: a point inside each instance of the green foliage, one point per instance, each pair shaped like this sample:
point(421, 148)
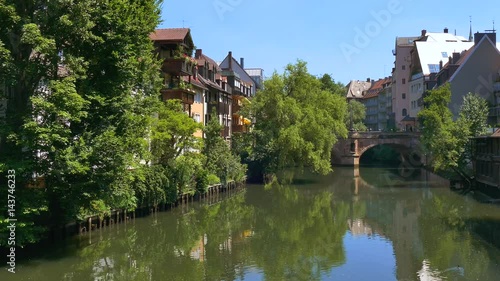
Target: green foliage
point(329, 84)
point(172, 132)
point(81, 81)
point(297, 122)
point(355, 117)
point(213, 179)
point(202, 181)
point(219, 158)
point(446, 140)
point(184, 172)
point(474, 112)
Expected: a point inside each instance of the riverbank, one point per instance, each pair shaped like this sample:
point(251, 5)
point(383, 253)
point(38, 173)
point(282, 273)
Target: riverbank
point(117, 217)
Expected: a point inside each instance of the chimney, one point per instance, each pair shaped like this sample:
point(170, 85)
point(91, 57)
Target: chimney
point(456, 57)
point(242, 63)
point(198, 53)
point(440, 65)
point(368, 79)
point(446, 30)
point(230, 58)
point(424, 32)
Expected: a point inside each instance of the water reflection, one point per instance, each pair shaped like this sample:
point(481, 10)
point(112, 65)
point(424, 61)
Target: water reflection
point(368, 224)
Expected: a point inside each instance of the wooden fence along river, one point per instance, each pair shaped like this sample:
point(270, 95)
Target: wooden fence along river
point(212, 196)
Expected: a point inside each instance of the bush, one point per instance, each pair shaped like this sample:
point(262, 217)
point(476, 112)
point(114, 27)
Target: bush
point(213, 179)
point(202, 181)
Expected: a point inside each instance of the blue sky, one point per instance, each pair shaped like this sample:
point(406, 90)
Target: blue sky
point(347, 39)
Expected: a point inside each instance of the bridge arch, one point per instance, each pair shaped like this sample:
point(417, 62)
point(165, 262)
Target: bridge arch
point(348, 151)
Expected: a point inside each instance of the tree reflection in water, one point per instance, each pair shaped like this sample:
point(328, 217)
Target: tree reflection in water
point(294, 229)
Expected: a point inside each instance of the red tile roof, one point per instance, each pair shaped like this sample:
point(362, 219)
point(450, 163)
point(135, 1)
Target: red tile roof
point(204, 58)
point(195, 82)
point(376, 88)
point(170, 34)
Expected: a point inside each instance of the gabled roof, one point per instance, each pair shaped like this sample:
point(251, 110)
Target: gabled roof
point(443, 37)
point(431, 53)
point(355, 88)
point(376, 88)
point(194, 81)
point(463, 60)
point(209, 83)
point(170, 34)
point(236, 67)
point(204, 58)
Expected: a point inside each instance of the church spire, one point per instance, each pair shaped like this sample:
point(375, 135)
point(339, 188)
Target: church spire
point(471, 38)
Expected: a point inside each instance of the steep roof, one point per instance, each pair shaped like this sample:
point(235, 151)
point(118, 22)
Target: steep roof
point(465, 57)
point(236, 67)
point(170, 34)
point(430, 53)
point(376, 88)
point(355, 88)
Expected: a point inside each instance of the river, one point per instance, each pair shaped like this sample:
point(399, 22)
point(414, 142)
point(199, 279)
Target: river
point(366, 224)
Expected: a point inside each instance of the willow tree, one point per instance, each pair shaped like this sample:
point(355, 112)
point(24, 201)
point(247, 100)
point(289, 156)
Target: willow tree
point(79, 79)
point(296, 122)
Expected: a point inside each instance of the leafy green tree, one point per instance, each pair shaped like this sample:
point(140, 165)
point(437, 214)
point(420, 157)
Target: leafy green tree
point(329, 84)
point(356, 113)
point(474, 111)
point(172, 133)
point(444, 139)
point(219, 158)
point(80, 78)
point(297, 122)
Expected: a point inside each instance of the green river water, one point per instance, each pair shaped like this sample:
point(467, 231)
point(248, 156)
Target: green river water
point(366, 224)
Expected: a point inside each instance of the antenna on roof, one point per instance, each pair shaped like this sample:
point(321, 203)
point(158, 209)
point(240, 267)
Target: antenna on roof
point(471, 38)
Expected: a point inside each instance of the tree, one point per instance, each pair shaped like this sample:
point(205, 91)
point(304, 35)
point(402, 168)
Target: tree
point(219, 157)
point(80, 78)
point(444, 139)
point(297, 122)
point(355, 116)
point(474, 111)
point(172, 133)
point(329, 84)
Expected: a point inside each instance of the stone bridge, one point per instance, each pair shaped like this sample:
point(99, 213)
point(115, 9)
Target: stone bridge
point(349, 151)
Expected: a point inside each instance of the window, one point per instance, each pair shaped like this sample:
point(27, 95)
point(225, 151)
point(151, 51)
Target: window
point(405, 112)
point(403, 67)
point(404, 96)
point(403, 81)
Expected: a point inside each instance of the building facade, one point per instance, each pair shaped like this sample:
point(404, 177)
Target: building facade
point(486, 163)
point(427, 56)
point(218, 98)
point(242, 87)
point(473, 71)
point(175, 47)
point(400, 74)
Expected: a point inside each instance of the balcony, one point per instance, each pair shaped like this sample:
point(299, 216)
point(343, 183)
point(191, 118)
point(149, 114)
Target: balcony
point(223, 108)
point(240, 128)
point(185, 95)
point(179, 66)
point(237, 91)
